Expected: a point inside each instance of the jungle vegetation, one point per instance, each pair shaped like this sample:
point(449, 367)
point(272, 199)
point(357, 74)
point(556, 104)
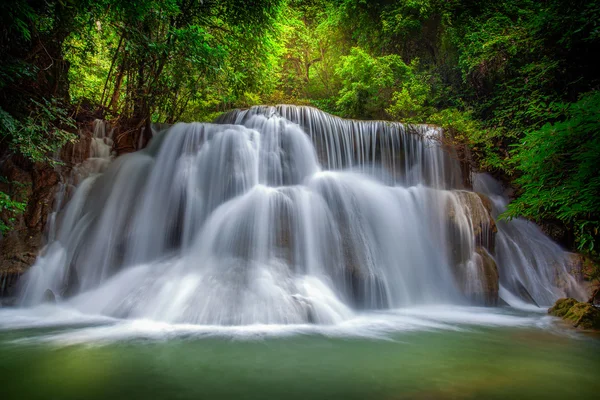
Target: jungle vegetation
point(515, 81)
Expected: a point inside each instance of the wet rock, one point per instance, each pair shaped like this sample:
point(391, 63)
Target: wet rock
point(37, 185)
point(478, 278)
point(489, 278)
point(580, 315)
point(562, 306)
point(9, 275)
point(49, 296)
point(477, 209)
point(524, 294)
point(576, 265)
point(76, 153)
point(471, 234)
point(557, 232)
point(583, 269)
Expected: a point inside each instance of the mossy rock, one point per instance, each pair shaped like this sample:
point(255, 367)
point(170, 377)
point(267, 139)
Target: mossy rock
point(562, 307)
point(584, 315)
point(581, 315)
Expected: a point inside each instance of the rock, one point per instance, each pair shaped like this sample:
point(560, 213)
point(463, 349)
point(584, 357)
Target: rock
point(580, 315)
point(489, 278)
point(471, 232)
point(562, 306)
point(486, 202)
point(78, 152)
point(49, 296)
point(37, 185)
point(477, 209)
point(478, 278)
point(557, 231)
point(584, 315)
point(524, 294)
point(583, 269)
point(595, 296)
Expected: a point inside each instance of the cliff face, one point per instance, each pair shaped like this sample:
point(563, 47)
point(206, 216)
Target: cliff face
point(37, 184)
point(19, 247)
point(42, 186)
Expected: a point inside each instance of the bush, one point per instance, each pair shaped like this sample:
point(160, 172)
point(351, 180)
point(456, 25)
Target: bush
point(560, 164)
point(39, 135)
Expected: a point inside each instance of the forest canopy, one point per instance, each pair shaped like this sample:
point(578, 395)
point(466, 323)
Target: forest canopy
point(514, 81)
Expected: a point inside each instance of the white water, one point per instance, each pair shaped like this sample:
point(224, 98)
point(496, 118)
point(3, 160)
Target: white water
point(46, 324)
point(282, 216)
point(530, 261)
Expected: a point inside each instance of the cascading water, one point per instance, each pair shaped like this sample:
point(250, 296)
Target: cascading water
point(284, 215)
point(532, 265)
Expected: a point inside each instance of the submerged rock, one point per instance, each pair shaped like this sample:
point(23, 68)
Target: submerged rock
point(49, 296)
point(580, 315)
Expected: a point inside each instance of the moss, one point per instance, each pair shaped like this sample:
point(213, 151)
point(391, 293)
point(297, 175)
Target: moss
point(562, 307)
point(581, 315)
point(584, 315)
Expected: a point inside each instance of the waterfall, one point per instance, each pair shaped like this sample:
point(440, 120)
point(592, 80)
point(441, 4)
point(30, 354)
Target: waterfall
point(285, 215)
point(533, 265)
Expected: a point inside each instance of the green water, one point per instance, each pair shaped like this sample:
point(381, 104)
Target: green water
point(479, 363)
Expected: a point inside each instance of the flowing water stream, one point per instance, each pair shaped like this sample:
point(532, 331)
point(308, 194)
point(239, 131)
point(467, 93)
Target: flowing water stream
point(290, 252)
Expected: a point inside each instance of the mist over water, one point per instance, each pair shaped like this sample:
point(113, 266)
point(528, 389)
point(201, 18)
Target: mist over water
point(288, 216)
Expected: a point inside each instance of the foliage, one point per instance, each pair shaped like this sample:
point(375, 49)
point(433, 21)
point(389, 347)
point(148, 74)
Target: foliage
point(41, 134)
point(504, 78)
point(368, 82)
point(10, 208)
point(155, 60)
point(559, 164)
point(497, 76)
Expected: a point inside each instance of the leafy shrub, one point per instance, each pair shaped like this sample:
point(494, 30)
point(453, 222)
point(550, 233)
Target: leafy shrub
point(368, 83)
point(9, 209)
point(40, 134)
point(560, 167)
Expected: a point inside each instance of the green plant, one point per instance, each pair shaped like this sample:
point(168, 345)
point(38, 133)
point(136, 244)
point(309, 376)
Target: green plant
point(368, 83)
point(9, 209)
point(559, 167)
point(40, 134)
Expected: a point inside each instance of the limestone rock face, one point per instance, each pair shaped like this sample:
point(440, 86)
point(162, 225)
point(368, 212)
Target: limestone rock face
point(580, 315)
point(37, 185)
point(489, 278)
point(478, 278)
point(557, 232)
point(474, 209)
point(583, 269)
point(471, 235)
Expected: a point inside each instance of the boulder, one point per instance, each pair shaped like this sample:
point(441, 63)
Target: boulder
point(478, 278)
point(580, 315)
point(489, 278)
point(562, 307)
